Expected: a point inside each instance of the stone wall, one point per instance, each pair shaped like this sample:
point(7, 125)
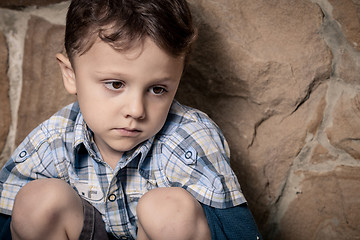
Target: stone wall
point(280, 77)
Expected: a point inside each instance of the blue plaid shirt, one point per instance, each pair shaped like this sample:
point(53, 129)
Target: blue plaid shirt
point(189, 152)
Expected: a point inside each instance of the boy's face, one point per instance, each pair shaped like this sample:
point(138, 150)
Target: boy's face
point(124, 96)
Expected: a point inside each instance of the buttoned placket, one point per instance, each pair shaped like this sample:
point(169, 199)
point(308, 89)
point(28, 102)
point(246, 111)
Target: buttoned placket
point(116, 200)
point(115, 196)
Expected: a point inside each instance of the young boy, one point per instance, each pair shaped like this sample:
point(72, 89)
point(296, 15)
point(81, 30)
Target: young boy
point(126, 160)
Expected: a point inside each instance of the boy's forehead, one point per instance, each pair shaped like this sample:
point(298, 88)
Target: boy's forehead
point(129, 52)
point(146, 59)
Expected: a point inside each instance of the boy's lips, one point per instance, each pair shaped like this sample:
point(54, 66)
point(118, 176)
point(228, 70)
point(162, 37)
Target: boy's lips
point(128, 132)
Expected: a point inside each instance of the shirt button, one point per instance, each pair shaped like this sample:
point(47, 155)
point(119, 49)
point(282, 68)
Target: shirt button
point(148, 186)
point(188, 154)
point(112, 197)
point(22, 154)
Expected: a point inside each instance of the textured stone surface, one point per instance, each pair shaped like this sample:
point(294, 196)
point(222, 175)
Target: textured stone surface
point(25, 3)
point(349, 66)
point(345, 131)
point(347, 13)
point(257, 62)
point(321, 154)
point(327, 207)
point(42, 92)
point(4, 92)
point(278, 142)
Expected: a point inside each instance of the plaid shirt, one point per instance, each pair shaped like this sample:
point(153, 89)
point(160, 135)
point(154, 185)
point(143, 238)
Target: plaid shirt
point(189, 152)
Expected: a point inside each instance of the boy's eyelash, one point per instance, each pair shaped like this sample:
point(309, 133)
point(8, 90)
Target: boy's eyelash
point(114, 84)
point(161, 88)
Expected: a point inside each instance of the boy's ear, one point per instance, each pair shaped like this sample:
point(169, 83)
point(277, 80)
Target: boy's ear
point(68, 73)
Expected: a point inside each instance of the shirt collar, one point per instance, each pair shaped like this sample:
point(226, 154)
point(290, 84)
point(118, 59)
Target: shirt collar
point(82, 134)
point(84, 137)
point(140, 152)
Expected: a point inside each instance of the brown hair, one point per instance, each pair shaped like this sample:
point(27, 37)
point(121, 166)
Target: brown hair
point(125, 23)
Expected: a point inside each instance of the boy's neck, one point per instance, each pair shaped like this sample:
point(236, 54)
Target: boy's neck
point(112, 161)
point(108, 155)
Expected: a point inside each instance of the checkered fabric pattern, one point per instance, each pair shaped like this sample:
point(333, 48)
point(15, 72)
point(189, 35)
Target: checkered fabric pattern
point(189, 152)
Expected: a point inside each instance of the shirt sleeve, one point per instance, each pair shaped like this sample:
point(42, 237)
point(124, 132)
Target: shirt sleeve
point(196, 158)
point(33, 159)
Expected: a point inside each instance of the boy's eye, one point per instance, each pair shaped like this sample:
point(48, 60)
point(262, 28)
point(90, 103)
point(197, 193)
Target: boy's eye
point(157, 90)
point(114, 85)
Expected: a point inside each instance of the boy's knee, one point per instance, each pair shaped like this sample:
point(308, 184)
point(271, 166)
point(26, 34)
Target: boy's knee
point(43, 204)
point(172, 213)
point(39, 196)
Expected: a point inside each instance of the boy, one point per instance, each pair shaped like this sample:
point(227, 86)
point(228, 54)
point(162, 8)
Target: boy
point(126, 160)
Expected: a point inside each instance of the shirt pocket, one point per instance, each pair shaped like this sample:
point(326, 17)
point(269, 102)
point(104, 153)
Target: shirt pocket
point(89, 192)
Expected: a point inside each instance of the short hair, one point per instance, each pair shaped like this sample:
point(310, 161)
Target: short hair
point(125, 23)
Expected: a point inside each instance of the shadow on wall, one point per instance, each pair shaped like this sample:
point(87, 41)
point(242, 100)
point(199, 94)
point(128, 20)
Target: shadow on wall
point(212, 84)
point(208, 75)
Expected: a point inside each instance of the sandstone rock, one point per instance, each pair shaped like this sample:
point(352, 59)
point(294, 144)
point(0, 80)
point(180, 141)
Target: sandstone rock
point(25, 3)
point(347, 13)
point(349, 67)
point(42, 91)
point(259, 50)
point(255, 63)
point(277, 143)
point(321, 154)
point(326, 208)
point(4, 93)
point(345, 132)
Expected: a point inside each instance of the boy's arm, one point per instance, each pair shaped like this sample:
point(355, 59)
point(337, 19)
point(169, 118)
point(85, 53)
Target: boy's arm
point(196, 158)
point(231, 223)
point(210, 179)
point(32, 159)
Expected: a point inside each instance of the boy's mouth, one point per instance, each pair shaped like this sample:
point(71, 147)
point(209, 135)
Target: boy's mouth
point(128, 132)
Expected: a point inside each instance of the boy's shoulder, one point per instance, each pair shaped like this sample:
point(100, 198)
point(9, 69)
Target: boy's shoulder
point(183, 118)
point(63, 120)
point(53, 133)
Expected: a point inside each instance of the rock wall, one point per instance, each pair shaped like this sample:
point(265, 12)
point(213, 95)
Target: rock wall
point(280, 77)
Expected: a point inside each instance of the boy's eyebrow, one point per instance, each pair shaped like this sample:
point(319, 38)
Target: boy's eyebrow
point(165, 79)
point(112, 73)
point(122, 76)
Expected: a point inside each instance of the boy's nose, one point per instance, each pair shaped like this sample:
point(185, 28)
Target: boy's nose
point(135, 108)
